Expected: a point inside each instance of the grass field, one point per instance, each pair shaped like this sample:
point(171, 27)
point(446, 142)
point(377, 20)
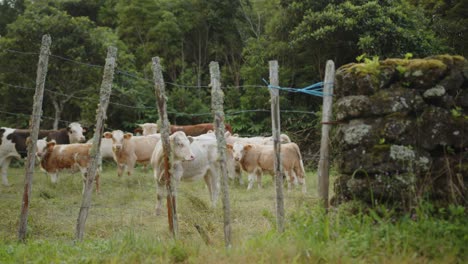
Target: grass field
point(123, 228)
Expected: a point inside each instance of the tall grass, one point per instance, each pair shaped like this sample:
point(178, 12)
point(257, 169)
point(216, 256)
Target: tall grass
point(122, 226)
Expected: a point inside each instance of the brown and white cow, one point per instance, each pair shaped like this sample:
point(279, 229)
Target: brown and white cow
point(256, 159)
point(194, 158)
point(129, 150)
point(13, 142)
point(56, 157)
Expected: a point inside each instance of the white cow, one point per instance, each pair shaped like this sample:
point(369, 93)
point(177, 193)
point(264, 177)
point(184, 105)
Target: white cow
point(256, 159)
point(231, 139)
point(149, 128)
point(106, 148)
point(194, 158)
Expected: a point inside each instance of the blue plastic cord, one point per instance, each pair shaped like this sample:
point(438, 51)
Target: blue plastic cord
point(315, 89)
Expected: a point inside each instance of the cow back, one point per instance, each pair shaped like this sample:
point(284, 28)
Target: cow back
point(65, 157)
point(141, 146)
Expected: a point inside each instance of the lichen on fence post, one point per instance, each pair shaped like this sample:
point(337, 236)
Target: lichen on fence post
point(217, 100)
point(324, 163)
point(34, 127)
point(160, 92)
point(106, 88)
point(276, 131)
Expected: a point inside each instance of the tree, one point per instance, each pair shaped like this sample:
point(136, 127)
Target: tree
point(73, 85)
point(9, 10)
point(449, 20)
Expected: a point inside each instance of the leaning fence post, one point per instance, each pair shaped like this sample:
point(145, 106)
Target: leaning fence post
point(161, 102)
point(106, 88)
point(323, 167)
point(217, 100)
point(276, 128)
point(34, 127)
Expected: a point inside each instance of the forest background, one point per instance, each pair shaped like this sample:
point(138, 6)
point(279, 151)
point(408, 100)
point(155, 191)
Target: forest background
point(242, 35)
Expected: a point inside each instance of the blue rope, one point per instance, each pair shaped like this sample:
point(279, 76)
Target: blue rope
point(315, 89)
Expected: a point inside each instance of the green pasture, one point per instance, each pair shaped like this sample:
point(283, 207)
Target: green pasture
point(123, 228)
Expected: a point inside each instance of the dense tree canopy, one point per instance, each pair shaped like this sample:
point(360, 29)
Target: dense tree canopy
point(187, 34)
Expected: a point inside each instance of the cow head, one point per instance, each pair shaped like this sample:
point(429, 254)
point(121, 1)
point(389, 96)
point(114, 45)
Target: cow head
point(41, 145)
point(181, 146)
point(149, 128)
point(239, 149)
point(118, 138)
point(44, 147)
point(75, 133)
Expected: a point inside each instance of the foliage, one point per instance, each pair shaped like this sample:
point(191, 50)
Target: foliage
point(241, 35)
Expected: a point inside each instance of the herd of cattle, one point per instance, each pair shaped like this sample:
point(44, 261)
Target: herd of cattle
point(194, 148)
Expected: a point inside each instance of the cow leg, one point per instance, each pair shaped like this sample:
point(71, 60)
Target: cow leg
point(97, 182)
point(120, 169)
point(213, 186)
point(300, 175)
point(259, 179)
point(5, 165)
point(251, 179)
point(208, 183)
point(53, 177)
point(131, 165)
point(288, 178)
point(238, 174)
point(160, 192)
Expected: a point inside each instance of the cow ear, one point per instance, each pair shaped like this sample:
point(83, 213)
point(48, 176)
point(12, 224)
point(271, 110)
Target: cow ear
point(108, 135)
point(190, 139)
point(229, 146)
point(128, 135)
point(247, 147)
point(51, 144)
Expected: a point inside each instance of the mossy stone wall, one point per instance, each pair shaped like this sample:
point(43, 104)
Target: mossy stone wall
point(402, 134)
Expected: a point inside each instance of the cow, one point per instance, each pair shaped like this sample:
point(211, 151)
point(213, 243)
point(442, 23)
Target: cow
point(55, 158)
point(106, 148)
point(256, 159)
point(148, 129)
point(194, 158)
point(13, 142)
point(189, 130)
point(198, 129)
point(129, 150)
point(231, 139)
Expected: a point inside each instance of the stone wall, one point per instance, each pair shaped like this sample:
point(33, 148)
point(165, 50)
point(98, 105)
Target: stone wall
point(402, 132)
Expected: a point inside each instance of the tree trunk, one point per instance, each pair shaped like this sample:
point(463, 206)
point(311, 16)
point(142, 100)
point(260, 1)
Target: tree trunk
point(58, 106)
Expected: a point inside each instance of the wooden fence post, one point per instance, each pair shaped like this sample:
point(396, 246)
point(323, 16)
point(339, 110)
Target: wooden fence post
point(34, 127)
point(217, 100)
point(106, 88)
point(323, 167)
point(276, 130)
point(159, 88)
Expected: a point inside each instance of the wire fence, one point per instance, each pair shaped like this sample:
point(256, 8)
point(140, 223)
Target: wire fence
point(128, 202)
point(121, 80)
